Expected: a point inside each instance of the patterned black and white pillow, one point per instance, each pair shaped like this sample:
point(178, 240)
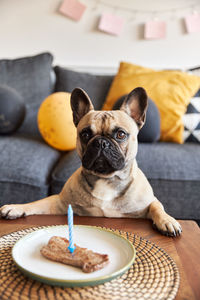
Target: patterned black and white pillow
point(191, 120)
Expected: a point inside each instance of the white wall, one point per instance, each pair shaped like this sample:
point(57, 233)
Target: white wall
point(28, 27)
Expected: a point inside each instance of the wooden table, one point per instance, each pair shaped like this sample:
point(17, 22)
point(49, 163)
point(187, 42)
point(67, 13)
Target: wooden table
point(185, 250)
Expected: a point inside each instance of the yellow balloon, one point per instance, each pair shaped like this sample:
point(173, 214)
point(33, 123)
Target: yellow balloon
point(55, 121)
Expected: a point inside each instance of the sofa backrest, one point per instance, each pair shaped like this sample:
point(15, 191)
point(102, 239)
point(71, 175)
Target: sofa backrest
point(96, 86)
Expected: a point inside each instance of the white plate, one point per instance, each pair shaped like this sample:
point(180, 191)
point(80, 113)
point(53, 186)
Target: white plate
point(26, 254)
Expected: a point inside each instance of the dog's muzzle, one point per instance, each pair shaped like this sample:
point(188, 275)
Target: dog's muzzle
point(103, 156)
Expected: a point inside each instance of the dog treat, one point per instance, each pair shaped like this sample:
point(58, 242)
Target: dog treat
point(89, 261)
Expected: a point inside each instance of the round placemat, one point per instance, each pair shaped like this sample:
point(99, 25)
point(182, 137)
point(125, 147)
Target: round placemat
point(154, 275)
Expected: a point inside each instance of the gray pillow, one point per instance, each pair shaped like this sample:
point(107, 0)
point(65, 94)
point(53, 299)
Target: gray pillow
point(29, 76)
point(96, 86)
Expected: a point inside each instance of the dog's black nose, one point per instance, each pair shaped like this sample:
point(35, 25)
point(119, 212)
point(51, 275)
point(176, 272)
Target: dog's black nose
point(101, 143)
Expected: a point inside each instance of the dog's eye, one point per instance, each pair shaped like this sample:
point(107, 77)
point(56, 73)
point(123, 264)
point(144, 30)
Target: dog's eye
point(86, 135)
point(121, 135)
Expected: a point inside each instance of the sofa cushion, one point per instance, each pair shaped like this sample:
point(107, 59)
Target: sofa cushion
point(29, 126)
point(173, 171)
point(31, 77)
point(96, 86)
point(67, 165)
point(25, 169)
point(170, 161)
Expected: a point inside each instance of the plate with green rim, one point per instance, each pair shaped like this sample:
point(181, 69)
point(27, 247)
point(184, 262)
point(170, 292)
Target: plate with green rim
point(26, 255)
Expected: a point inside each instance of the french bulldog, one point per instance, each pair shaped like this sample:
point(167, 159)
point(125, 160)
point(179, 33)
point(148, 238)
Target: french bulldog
point(109, 182)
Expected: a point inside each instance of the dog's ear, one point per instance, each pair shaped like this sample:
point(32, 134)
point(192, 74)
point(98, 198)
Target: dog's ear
point(80, 104)
point(135, 105)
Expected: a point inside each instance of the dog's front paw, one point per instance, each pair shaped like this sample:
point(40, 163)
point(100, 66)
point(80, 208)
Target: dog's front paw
point(168, 226)
point(12, 211)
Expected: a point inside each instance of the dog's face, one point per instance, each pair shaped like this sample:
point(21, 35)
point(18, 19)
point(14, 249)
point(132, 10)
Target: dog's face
point(107, 140)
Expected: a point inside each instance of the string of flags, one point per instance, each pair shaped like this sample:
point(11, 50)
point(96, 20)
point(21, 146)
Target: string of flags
point(72, 9)
point(112, 23)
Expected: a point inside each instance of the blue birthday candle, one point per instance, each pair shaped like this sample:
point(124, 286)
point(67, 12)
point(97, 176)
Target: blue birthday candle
point(70, 225)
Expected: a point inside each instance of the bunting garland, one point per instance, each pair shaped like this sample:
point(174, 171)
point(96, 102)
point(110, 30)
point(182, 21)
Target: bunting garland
point(111, 24)
point(112, 20)
point(72, 9)
point(192, 23)
point(155, 30)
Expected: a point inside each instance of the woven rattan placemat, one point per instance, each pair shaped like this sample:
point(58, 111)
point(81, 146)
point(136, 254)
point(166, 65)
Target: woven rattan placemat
point(154, 275)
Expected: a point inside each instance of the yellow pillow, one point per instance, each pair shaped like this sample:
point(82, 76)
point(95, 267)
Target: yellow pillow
point(170, 90)
point(55, 121)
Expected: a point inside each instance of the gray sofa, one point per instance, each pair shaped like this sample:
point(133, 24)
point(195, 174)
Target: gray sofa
point(30, 169)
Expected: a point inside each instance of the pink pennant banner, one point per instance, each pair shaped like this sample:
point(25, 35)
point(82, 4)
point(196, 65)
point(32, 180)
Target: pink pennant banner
point(72, 9)
point(111, 24)
point(192, 23)
point(155, 30)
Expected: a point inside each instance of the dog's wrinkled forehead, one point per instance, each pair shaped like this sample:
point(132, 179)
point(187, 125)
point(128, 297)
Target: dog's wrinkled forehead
point(104, 122)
